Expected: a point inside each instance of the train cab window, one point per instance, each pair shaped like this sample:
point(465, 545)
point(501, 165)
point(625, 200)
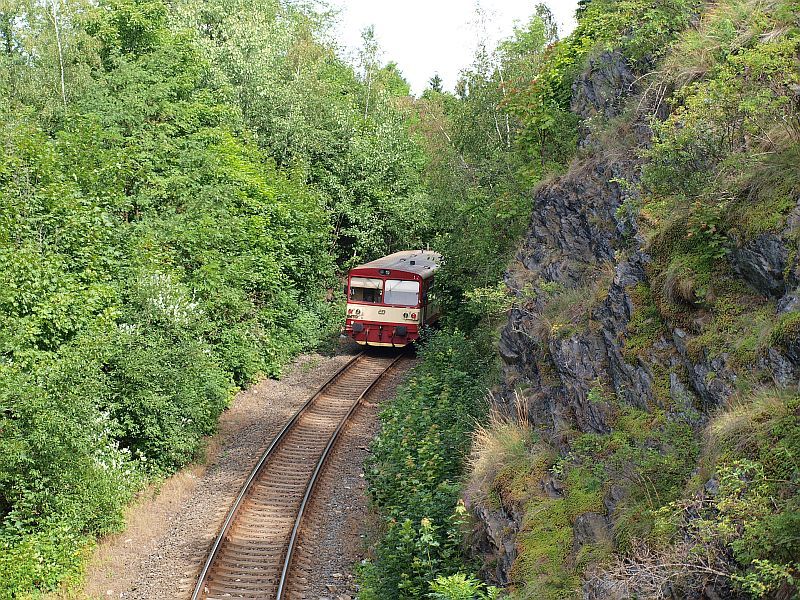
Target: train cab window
point(403, 293)
point(366, 289)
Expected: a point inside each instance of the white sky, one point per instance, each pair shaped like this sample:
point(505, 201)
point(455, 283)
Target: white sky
point(429, 36)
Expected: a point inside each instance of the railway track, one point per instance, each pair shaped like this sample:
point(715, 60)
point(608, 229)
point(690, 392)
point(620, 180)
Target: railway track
point(252, 557)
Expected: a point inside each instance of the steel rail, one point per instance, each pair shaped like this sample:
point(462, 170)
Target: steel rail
point(287, 563)
point(202, 578)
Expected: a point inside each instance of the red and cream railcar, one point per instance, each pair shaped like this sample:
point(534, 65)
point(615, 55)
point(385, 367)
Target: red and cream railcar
point(390, 299)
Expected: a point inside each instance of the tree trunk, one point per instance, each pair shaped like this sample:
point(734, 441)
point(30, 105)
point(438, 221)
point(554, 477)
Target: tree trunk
point(54, 17)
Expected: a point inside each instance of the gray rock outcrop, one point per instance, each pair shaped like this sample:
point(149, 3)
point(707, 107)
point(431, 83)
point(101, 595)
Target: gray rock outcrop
point(582, 243)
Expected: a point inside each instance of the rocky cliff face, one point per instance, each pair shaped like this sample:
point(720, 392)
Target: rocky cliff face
point(585, 340)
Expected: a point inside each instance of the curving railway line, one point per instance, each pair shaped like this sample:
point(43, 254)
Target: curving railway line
point(252, 557)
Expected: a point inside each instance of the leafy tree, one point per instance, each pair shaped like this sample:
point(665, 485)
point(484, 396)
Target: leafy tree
point(339, 133)
point(478, 171)
point(390, 79)
point(583, 6)
point(152, 257)
point(368, 57)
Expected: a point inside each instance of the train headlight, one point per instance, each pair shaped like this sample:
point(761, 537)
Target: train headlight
point(413, 315)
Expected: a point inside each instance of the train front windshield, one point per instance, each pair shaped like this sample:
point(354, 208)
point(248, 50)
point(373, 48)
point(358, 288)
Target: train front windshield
point(366, 289)
point(402, 293)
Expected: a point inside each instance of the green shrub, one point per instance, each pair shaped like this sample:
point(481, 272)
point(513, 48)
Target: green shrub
point(461, 587)
point(417, 462)
point(756, 512)
point(409, 557)
point(41, 560)
point(53, 466)
point(63, 477)
point(164, 394)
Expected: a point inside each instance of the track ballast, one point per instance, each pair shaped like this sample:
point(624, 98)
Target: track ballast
point(252, 555)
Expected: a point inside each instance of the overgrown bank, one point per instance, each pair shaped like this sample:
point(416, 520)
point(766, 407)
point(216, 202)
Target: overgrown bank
point(649, 446)
point(417, 463)
point(168, 234)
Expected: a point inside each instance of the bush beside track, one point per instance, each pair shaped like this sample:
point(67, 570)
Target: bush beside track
point(417, 464)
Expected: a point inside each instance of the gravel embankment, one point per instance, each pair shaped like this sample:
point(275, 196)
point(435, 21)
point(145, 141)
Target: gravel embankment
point(170, 529)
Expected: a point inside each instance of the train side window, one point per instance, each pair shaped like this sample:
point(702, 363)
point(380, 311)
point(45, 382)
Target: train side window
point(366, 289)
point(403, 293)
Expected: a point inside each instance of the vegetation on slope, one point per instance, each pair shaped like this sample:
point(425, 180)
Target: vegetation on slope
point(733, 138)
point(168, 233)
point(720, 173)
point(417, 463)
point(152, 259)
point(696, 495)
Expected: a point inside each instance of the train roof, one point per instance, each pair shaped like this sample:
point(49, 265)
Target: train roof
point(418, 262)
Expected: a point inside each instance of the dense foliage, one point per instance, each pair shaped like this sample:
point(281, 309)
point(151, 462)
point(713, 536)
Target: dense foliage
point(478, 167)
point(417, 462)
point(336, 130)
point(152, 258)
point(168, 233)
